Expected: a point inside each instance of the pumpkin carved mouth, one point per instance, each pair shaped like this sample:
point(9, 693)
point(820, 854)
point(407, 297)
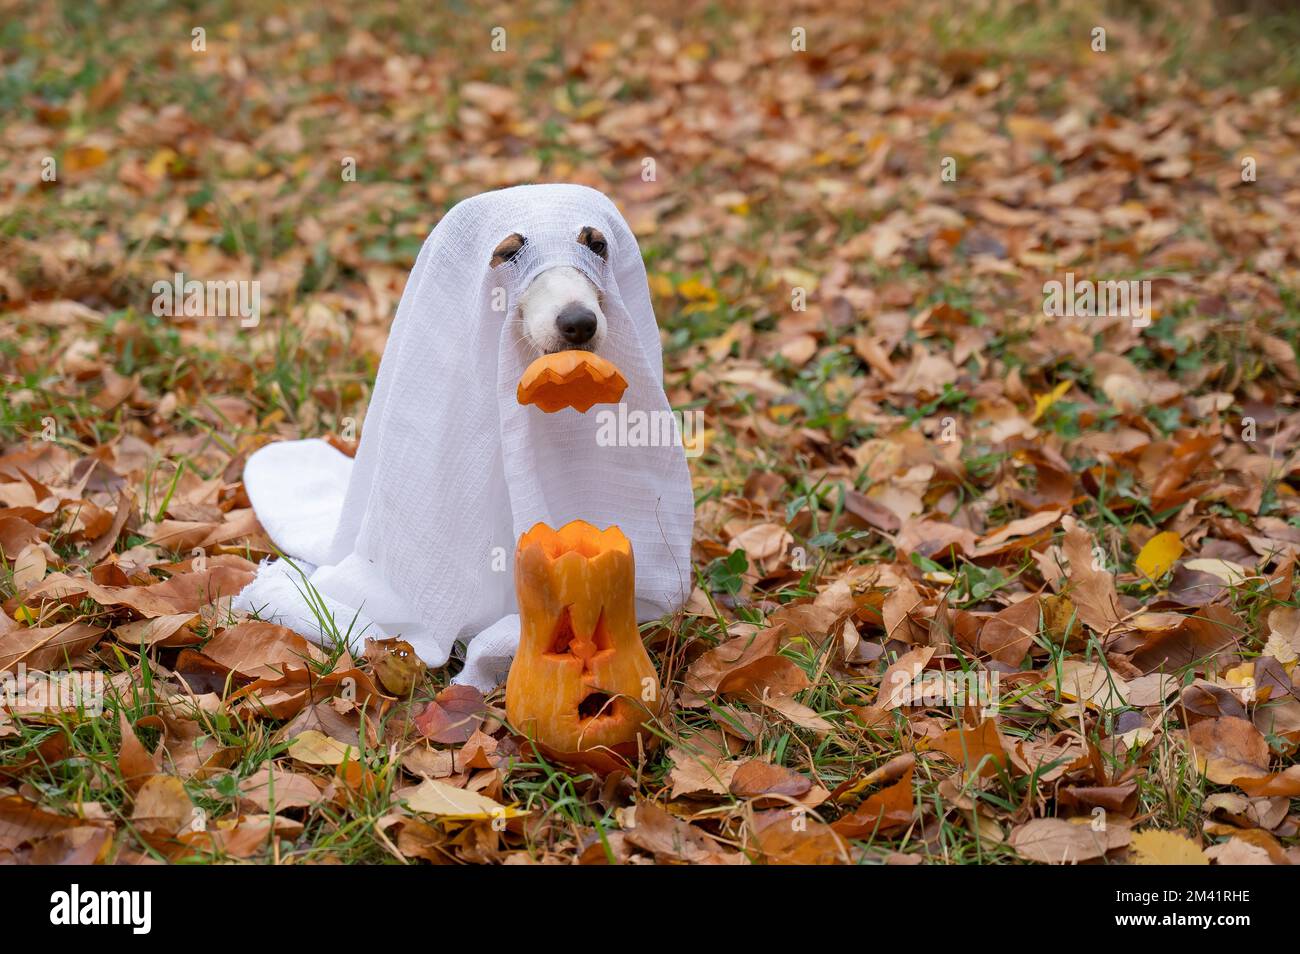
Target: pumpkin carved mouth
point(596, 705)
point(582, 678)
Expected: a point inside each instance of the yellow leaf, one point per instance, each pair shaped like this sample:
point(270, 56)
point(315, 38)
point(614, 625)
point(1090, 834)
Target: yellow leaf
point(1238, 675)
point(562, 101)
point(1244, 675)
point(695, 290)
point(778, 411)
point(317, 748)
point(1152, 847)
point(158, 164)
point(660, 284)
point(447, 801)
point(1159, 554)
point(1043, 401)
point(720, 347)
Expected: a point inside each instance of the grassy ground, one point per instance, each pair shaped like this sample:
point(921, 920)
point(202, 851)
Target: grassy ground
point(863, 454)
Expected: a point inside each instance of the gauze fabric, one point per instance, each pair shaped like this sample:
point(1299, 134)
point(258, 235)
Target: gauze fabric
point(416, 536)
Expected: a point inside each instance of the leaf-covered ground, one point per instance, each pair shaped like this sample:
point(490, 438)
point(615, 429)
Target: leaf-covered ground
point(911, 472)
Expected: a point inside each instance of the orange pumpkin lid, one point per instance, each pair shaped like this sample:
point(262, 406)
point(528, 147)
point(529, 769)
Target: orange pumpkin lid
point(576, 379)
point(576, 536)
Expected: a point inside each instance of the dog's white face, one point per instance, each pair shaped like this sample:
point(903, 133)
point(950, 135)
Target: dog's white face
point(560, 309)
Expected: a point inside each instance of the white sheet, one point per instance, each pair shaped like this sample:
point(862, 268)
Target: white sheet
point(416, 537)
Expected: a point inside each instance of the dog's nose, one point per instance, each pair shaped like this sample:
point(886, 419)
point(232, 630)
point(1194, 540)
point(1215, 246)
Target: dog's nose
point(577, 323)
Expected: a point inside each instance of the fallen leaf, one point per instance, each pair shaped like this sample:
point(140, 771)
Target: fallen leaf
point(1158, 555)
point(271, 790)
point(978, 750)
point(395, 664)
point(315, 748)
point(1055, 841)
point(670, 839)
point(896, 685)
point(453, 716)
point(257, 649)
point(162, 806)
point(883, 812)
point(1093, 684)
point(441, 800)
point(1228, 749)
point(1154, 847)
point(755, 777)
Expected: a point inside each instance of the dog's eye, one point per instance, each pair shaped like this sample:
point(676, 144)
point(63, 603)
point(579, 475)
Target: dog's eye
point(594, 240)
point(508, 248)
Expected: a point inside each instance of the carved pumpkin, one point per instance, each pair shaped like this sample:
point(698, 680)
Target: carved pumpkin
point(582, 679)
point(576, 379)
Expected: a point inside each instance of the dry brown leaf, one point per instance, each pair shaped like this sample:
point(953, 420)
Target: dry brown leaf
point(1009, 635)
point(162, 806)
point(707, 672)
point(755, 778)
point(978, 750)
point(896, 685)
point(783, 837)
point(1055, 841)
point(1228, 749)
point(272, 789)
point(1092, 588)
point(257, 649)
point(883, 812)
point(453, 716)
point(170, 630)
point(670, 839)
point(46, 647)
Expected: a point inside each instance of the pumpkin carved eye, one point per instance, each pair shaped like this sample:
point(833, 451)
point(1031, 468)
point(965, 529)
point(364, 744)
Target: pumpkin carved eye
point(563, 634)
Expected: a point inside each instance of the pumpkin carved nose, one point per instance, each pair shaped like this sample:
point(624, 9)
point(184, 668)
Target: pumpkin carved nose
point(576, 323)
point(586, 648)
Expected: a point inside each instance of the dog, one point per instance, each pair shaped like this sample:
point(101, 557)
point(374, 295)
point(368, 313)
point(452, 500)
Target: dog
point(560, 309)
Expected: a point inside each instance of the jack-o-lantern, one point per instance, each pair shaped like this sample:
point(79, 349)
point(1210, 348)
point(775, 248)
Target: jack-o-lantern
point(582, 679)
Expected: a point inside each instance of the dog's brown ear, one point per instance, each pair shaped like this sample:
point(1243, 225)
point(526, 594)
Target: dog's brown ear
point(507, 249)
point(594, 239)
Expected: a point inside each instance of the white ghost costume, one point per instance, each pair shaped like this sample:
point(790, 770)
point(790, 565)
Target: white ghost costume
point(416, 536)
